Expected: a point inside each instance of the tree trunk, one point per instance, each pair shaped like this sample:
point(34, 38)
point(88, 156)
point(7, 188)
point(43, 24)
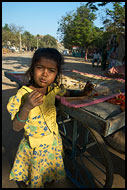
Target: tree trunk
point(86, 53)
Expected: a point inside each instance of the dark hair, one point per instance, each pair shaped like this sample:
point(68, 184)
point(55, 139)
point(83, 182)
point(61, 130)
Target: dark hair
point(49, 53)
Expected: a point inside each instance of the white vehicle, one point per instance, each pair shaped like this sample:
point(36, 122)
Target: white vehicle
point(65, 52)
point(14, 49)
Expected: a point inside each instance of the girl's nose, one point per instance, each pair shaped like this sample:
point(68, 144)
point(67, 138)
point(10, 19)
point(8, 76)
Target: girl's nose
point(45, 72)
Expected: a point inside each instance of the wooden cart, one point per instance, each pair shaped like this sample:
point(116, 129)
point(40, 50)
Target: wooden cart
point(83, 129)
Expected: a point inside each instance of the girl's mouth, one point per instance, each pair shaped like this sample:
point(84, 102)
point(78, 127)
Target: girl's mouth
point(43, 81)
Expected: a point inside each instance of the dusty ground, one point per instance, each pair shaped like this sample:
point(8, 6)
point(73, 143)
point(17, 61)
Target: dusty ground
point(10, 139)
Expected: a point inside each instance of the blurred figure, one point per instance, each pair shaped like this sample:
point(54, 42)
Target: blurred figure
point(96, 58)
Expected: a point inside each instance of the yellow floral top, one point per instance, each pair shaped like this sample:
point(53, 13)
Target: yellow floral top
point(41, 135)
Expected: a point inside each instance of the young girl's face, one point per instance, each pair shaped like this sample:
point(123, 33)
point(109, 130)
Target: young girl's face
point(45, 72)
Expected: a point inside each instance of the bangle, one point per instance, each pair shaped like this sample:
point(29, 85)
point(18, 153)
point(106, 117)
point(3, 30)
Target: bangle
point(17, 116)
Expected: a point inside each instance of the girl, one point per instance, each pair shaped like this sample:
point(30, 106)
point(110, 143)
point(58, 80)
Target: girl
point(39, 156)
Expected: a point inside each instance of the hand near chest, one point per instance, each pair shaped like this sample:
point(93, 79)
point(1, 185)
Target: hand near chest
point(34, 99)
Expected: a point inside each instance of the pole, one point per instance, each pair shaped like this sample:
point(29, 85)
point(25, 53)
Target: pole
point(37, 43)
point(20, 41)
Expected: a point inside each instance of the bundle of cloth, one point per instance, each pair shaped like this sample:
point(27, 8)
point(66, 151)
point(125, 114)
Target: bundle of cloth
point(118, 69)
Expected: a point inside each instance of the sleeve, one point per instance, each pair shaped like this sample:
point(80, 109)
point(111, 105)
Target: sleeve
point(60, 91)
point(14, 104)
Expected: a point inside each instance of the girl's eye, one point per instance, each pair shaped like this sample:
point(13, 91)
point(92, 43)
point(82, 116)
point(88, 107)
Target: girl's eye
point(52, 70)
point(42, 68)
point(39, 67)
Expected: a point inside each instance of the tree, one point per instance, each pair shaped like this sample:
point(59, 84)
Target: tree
point(77, 28)
point(93, 7)
point(27, 40)
point(6, 35)
point(6, 27)
point(11, 34)
point(49, 41)
point(115, 23)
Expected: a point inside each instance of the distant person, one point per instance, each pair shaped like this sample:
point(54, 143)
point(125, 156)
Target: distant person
point(96, 58)
point(39, 158)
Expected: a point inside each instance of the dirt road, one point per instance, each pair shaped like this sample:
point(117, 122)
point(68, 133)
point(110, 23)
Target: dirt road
point(10, 139)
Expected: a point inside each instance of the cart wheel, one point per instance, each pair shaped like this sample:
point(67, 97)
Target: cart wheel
point(92, 165)
point(117, 140)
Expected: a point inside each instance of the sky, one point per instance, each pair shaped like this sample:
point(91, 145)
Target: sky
point(40, 17)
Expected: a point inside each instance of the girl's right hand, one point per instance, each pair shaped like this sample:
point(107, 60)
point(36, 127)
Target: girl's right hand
point(34, 99)
point(88, 88)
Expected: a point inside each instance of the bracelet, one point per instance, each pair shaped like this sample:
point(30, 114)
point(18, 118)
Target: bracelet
point(17, 116)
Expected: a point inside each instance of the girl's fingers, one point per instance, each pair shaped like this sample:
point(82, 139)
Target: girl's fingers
point(39, 103)
point(35, 95)
point(35, 98)
point(32, 93)
point(40, 98)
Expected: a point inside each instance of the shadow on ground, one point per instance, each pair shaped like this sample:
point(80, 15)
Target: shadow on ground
point(24, 62)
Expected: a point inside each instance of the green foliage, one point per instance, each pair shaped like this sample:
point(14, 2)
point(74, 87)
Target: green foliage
point(6, 36)
point(77, 28)
point(93, 7)
point(6, 27)
point(11, 37)
point(28, 40)
point(115, 23)
point(49, 41)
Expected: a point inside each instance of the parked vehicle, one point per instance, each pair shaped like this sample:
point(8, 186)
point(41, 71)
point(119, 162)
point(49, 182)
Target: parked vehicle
point(14, 49)
point(65, 52)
